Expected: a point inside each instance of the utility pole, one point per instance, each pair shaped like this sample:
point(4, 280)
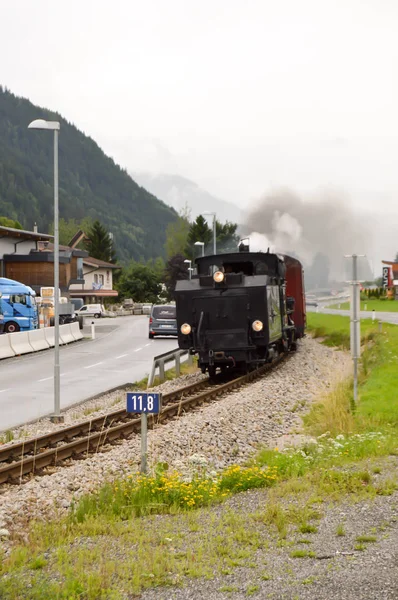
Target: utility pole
point(355, 324)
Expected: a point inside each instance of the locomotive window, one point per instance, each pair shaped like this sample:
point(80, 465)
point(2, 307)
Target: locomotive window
point(239, 267)
point(211, 269)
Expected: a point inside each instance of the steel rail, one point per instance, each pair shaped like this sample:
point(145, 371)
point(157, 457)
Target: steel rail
point(15, 451)
point(95, 441)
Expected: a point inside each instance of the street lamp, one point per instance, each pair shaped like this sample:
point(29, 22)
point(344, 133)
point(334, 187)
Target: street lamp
point(201, 244)
point(189, 268)
point(214, 229)
point(54, 126)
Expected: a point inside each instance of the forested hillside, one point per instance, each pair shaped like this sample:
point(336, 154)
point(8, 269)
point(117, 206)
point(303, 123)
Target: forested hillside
point(90, 183)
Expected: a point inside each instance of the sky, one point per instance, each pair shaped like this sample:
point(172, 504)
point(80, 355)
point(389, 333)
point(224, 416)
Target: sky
point(241, 96)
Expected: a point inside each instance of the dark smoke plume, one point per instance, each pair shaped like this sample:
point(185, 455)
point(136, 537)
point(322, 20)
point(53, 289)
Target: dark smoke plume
point(308, 227)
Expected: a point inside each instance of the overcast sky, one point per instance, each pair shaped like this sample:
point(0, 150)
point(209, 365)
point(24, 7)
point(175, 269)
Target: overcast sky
point(238, 95)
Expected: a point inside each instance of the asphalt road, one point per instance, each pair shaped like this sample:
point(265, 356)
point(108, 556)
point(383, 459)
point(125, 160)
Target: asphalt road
point(386, 317)
point(121, 353)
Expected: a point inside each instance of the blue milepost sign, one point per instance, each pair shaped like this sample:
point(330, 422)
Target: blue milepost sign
point(138, 402)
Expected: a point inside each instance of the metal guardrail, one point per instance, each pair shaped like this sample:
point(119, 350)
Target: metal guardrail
point(160, 360)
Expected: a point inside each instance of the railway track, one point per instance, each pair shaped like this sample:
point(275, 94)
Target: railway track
point(32, 456)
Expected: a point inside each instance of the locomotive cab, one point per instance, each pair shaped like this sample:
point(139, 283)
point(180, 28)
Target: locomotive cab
point(234, 312)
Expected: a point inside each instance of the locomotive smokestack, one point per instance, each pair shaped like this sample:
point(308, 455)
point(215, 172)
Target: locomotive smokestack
point(244, 245)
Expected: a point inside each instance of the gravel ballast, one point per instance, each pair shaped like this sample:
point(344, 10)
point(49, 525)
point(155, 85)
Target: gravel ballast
point(228, 431)
point(224, 432)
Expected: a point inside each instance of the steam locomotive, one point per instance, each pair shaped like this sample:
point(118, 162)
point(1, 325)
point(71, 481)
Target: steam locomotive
point(241, 309)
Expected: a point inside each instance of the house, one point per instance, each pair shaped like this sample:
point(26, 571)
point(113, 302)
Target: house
point(98, 281)
point(28, 256)
point(97, 276)
point(19, 242)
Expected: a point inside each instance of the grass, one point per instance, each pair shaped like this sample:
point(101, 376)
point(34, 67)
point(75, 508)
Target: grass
point(385, 305)
point(302, 554)
point(75, 556)
point(340, 531)
point(6, 437)
point(366, 539)
point(378, 405)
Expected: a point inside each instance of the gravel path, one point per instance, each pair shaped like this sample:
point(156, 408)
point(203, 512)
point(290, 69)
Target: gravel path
point(224, 432)
point(336, 571)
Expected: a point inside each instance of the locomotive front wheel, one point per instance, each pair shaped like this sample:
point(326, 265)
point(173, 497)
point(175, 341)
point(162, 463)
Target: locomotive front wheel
point(212, 371)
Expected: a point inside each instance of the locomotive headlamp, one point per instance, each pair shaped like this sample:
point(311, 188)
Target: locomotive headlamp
point(185, 329)
point(257, 325)
point(218, 276)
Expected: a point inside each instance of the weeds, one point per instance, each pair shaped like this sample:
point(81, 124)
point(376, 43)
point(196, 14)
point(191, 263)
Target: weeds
point(340, 531)
point(302, 554)
point(366, 539)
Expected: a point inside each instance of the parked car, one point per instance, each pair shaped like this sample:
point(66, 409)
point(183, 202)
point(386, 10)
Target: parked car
point(162, 320)
point(91, 310)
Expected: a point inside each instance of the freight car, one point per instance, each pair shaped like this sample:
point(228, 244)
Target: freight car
point(241, 309)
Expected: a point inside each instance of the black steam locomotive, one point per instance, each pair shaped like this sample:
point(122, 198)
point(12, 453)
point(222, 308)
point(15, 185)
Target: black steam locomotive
point(241, 309)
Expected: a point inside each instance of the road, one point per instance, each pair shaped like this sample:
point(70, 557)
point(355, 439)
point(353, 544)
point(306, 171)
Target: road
point(121, 353)
point(386, 317)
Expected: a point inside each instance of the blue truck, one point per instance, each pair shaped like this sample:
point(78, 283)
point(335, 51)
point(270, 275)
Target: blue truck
point(18, 306)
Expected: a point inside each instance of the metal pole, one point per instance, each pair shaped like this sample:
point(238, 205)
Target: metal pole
point(214, 234)
point(355, 321)
point(203, 249)
point(57, 403)
point(190, 270)
point(144, 441)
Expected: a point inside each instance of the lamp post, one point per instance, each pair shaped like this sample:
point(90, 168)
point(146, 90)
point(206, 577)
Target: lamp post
point(201, 244)
point(189, 268)
point(54, 126)
point(214, 229)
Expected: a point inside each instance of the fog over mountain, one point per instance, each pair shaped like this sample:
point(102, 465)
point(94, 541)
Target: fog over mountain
point(178, 192)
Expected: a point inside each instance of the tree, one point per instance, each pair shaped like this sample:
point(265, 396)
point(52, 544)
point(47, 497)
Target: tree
point(99, 243)
point(175, 270)
point(226, 236)
point(199, 231)
point(177, 233)
point(6, 222)
point(140, 282)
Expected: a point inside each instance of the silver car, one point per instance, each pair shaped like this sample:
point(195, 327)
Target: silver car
point(162, 320)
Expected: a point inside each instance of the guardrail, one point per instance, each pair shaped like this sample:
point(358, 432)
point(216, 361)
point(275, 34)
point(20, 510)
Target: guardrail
point(160, 360)
point(25, 342)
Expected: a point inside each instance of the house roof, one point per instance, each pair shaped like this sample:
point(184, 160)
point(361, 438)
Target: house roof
point(98, 293)
point(65, 249)
point(96, 262)
point(392, 263)
point(21, 233)
point(87, 260)
point(77, 238)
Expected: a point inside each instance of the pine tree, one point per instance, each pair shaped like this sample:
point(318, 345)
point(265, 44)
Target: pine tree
point(199, 231)
point(175, 270)
point(99, 243)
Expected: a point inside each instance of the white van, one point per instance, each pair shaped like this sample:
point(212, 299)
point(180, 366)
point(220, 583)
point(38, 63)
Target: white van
point(91, 310)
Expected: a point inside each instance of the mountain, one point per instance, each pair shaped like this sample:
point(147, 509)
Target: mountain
point(179, 192)
point(90, 183)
